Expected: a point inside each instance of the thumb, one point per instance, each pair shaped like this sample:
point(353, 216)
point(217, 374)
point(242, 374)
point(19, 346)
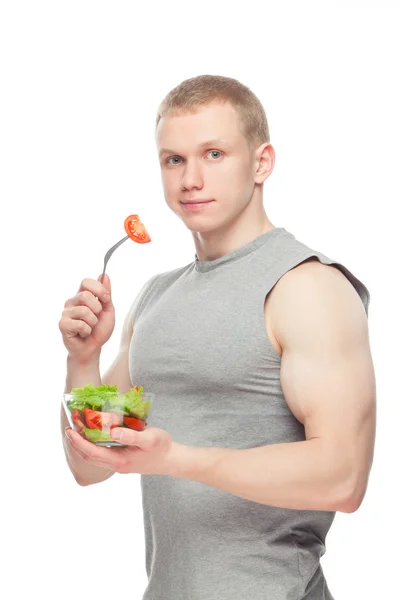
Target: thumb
point(106, 282)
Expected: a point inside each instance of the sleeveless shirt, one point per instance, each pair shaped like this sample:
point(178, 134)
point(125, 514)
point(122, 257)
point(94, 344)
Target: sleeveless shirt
point(200, 344)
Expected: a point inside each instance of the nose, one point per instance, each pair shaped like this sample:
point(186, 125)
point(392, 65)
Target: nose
point(192, 176)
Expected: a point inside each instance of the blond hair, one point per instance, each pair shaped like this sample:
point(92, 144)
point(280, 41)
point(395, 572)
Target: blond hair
point(204, 89)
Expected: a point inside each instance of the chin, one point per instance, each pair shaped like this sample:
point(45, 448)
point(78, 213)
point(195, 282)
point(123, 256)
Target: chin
point(196, 226)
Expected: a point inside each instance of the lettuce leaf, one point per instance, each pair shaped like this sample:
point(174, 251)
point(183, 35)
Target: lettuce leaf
point(105, 397)
point(97, 435)
point(91, 396)
point(132, 403)
point(138, 407)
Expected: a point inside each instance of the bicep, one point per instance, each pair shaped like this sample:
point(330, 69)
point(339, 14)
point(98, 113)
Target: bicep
point(327, 373)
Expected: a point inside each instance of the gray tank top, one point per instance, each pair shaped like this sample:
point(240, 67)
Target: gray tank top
point(200, 343)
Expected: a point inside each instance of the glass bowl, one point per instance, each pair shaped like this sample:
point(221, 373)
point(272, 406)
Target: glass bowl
point(93, 413)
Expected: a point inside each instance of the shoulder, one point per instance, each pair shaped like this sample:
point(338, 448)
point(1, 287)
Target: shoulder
point(310, 294)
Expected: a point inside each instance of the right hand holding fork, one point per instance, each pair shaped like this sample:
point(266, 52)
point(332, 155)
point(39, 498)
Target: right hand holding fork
point(88, 319)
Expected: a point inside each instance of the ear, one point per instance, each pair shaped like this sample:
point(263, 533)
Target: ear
point(265, 160)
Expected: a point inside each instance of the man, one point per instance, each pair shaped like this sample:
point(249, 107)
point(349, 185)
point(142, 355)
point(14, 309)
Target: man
point(258, 353)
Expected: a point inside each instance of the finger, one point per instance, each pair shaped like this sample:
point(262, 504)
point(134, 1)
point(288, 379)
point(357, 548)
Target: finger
point(80, 310)
point(92, 461)
point(86, 298)
point(146, 440)
point(82, 313)
point(127, 436)
point(106, 283)
point(98, 289)
point(74, 441)
point(72, 327)
point(75, 449)
point(90, 452)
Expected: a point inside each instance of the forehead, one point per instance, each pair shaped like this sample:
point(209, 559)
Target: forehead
point(211, 124)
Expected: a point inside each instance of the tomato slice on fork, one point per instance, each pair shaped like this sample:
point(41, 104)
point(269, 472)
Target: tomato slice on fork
point(136, 230)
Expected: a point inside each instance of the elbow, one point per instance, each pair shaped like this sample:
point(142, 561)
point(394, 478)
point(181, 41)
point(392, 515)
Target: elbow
point(78, 479)
point(81, 482)
point(352, 499)
point(350, 505)
point(86, 482)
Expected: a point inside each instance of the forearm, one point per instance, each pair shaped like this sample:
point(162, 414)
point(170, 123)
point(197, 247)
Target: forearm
point(305, 475)
point(79, 375)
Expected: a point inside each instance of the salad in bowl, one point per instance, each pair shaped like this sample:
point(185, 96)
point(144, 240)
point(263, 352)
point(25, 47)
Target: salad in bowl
point(94, 411)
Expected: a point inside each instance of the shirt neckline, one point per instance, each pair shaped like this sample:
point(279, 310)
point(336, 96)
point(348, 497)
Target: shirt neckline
point(204, 266)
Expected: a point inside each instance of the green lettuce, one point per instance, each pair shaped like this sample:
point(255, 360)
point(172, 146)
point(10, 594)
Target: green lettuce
point(91, 396)
point(97, 435)
point(132, 403)
point(106, 397)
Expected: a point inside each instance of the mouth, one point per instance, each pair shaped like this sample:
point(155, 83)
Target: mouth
point(199, 201)
point(192, 206)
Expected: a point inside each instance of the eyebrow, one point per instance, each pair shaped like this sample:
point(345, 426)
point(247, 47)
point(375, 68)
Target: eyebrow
point(212, 142)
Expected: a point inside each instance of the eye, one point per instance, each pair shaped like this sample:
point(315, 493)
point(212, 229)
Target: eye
point(168, 159)
point(173, 157)
point(215, 151)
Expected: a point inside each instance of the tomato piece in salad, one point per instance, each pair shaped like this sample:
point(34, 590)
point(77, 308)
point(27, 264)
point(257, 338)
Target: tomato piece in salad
point(77, 419)
point(133, 423)
point(136, 230)
point(96, 419)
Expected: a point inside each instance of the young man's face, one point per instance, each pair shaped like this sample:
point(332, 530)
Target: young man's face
point(222, 171)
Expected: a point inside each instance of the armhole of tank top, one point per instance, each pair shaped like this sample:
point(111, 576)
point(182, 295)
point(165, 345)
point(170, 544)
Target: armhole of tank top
point(290, 264)
point(268, 348)
point(296, 261)
point(146, 290)
point(358, 285)
point(136, 313)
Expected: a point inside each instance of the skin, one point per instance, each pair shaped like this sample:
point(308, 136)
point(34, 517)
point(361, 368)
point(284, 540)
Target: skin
point(313, 316)
point(234, 178)
point(151, 451)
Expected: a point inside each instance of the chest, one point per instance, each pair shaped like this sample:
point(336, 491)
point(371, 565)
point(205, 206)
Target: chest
point(206, 337)
point(208, 358)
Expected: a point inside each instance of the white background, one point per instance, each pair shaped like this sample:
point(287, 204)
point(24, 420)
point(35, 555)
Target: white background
point(80, 85)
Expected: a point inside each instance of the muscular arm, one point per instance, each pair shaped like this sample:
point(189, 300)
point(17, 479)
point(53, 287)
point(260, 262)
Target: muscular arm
point(327, 372)
point(328, 381)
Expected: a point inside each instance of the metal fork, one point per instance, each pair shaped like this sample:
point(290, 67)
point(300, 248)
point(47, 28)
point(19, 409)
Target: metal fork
point(108, 256)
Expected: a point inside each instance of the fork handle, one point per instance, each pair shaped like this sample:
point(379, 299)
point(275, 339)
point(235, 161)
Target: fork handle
point(109, 253)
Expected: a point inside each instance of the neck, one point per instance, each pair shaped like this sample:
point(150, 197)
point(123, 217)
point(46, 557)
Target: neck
point(213, 244)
